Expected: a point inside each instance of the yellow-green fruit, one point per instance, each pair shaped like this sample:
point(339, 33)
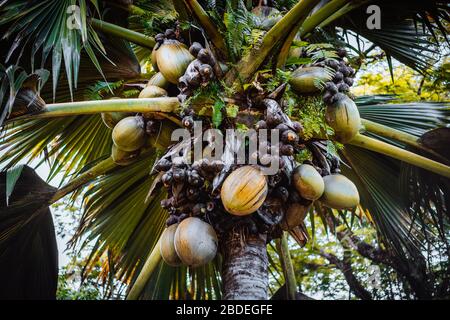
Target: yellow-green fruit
point(110, 119)
point(195, 242)
point(343, 117)
point(244, 191)
point(152, 92)
point(294, 216)
point(153, 58)
point(340, 192)
point(173, 58)
point(129, 134)
point(305, 80)
point(123, 158)
point(159, 81)
point(167, 247)
point(308, 182)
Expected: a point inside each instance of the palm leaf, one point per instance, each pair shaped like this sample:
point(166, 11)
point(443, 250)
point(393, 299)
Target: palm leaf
point(28, 251)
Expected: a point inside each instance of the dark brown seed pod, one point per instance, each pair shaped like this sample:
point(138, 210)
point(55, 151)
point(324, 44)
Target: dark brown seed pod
point(282, 193)
point(166, 203)
point(179, 175)
point(188, 122)
point(167, 178)
point(163, 165)
point(194, 179)
point(348, 81)
point(332, 64)
point(170, 34)
point(195, 48)
point(341, 52)
point(289, 136)
point(204, 56)
point(192, 193)
point(328, 98)
point(297, 126)
point(338, 77)
point(206, 72)
point(287, 150)
point(344, 70)
point(199, 209)
point(343, 87)
point(171, 220)
point(331, 87)
point(261, 124)
point(210, 206)
point(282, 127)
point(159, 37)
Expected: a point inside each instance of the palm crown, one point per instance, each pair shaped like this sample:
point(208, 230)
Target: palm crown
point(68, 65)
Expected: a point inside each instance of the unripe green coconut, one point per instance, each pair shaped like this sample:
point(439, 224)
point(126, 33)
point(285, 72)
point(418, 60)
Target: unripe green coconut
point(159, 81)
point(129, 134)
point(340, 192)
point(123, 158)
point(152, 92)
point(343, 116)
point(167, 247)
point(173, 58)
point(110, 119)
point(308, 182)
point(195, 242)
point(306, 80)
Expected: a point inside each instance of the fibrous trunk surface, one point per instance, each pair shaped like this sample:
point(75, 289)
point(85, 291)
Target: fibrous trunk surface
point(245, 274)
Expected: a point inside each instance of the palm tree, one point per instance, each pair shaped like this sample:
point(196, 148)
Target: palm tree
point(255, 51)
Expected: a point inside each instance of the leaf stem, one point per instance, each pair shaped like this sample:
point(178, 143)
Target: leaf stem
point(123, 33)
point(398, 135)
point(97, 170)
point(147, 105)
point(252, 61)
point(146, 272)
point(401, 154)
point(209, 27)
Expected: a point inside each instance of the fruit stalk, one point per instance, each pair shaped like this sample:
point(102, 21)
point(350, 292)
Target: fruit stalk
point(99, 169)
point(398, 135)
point(401, 154)
point(147, 105)
point(123, 33)
point(247, 66)
point(147, 270)
point(288, 267)
point(208, 25)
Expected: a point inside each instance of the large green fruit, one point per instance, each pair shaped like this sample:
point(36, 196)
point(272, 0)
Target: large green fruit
point(343, 117)
point(340, 192)
point(167, 247)
point(129, 134)
point(244, 191)
point(159, 81)
point(173, 59)
point(151, 91)
point(306, 80)
point(123, 158)
point(195, 242)
point(308, 182)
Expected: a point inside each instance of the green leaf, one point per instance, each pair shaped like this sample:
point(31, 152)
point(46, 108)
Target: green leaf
point(217, 115)
point(12, 176)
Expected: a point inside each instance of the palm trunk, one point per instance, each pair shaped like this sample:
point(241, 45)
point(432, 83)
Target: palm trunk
point(245, 273)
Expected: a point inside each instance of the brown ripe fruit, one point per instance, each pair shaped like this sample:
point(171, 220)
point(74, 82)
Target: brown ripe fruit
point(308, 182)
point(167, 247)
point(340, 192)
point(244, 191)
point(152, 92)
point(294, 216)
point(195, 242)
point(129, 134)
point(343, 117)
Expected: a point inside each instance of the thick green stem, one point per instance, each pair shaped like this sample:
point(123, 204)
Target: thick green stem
point(209, 27)
point(146, 105)
point(146, 272)
point(323, 14)
point(401, 154)
point(247, 66)
point(123, 33)
point(97, 170)
point(289, 273)
point(398, 135)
